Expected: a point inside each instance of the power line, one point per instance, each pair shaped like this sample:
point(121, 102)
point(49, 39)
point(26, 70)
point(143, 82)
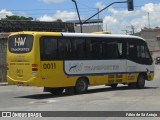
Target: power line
point(81, 8)
point(87, 6)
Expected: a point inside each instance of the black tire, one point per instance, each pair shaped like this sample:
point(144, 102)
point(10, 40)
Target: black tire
point(69, 90)
point(56, 91)
point(114, 85)
point(132, 85)
point(81, 86)
point(140, 81)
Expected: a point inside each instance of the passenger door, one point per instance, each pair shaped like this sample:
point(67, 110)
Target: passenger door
point(131, 61)
point(48, 55)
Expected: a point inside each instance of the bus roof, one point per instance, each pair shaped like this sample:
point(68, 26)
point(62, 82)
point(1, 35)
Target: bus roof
point(100, 35)
point(78, 34)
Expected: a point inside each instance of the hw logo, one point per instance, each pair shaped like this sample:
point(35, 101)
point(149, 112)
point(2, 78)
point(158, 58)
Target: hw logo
point(20, 41)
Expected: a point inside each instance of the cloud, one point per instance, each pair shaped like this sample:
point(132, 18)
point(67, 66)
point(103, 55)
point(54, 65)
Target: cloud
point(148, 7)
point(119, 20)
point(111, 20)
point(46, 18)
point(53, 1)
point(100, 5)
point(4, 12)
point(63, 15)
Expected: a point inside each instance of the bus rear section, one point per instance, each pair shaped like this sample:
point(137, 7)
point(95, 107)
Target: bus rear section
point(20, 60)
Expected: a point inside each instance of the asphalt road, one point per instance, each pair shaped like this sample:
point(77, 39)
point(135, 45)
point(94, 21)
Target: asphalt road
point(99, 98)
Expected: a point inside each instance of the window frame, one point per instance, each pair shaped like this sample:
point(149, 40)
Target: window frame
point(138, 55)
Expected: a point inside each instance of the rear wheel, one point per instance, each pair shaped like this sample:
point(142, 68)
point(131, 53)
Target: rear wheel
point(132, 85)
point(57, 91)
point(81, 86)
point(54, 91)
point(69, 90)
point(114, 85)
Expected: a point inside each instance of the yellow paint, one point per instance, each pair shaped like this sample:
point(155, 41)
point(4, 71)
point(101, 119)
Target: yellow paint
point(20, 69)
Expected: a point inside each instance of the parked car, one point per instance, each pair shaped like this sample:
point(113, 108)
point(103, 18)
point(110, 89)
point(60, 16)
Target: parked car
point(157, 60)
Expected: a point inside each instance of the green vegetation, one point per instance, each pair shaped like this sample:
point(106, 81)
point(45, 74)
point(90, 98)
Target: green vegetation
point(15, 17)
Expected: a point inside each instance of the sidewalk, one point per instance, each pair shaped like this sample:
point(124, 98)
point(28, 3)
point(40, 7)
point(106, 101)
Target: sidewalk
point(3, 83)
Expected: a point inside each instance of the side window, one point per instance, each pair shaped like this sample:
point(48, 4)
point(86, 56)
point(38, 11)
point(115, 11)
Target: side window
point(112, 50)
point(149, 60)
point(65, 48)
point(120, 49)
point(48, 48)
point(147, 53)
point(94, 49)
point(104, 48)
point(105, 53)
point(71, 48)
point(143, 54)
point(137, 51)
point(132, 51)
point(80, 49)
point(88, 49)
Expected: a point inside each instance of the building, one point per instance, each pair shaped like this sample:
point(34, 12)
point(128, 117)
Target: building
point(152, 36)
point(3, 51)
point(93, 25)
point(88, 28)
point(23, 25)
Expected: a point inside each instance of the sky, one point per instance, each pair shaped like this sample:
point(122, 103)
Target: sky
point(116, 18)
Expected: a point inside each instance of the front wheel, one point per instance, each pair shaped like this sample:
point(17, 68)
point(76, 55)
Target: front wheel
point(140, 82)
point(81, 86)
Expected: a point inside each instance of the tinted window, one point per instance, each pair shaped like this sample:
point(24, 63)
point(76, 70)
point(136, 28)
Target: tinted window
point(94, 49)
point(20, 43)
point(48, 48)
point(74, 48)
point(132, 51)
point(71, 48)
point(104, 48)
point(137, 51)
point(65, 48)
point(143, 54)
point(80, 48)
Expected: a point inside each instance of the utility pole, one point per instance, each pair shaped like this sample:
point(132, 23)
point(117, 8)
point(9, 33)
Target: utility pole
point(98, 19)
point(132, 28)
point(78, 14)
point(106, 27)
point(126, 31)
point(148, 20)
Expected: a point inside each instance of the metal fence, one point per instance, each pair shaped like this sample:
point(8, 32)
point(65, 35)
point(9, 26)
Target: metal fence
point(3, 51)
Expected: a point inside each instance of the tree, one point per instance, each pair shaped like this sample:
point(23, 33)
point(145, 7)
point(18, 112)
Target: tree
point(59, 20)
point(137, 34)
point(15, 17)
